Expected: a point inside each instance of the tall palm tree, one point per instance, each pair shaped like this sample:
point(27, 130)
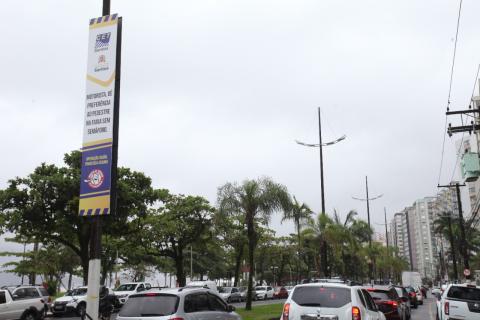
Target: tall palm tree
point(318, 229)
point(301, 214)
point(256, 200)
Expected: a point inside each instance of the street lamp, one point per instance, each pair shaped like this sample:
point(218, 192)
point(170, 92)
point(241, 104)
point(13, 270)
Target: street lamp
point(320, 145)
point(368, 199)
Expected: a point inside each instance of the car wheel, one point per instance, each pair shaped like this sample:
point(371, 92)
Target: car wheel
point(81, 310)
point(28, 315)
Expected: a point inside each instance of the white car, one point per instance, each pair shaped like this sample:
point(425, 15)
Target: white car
point(263, 293)
point(206, 284)
point(74, 301)
point(125, 290)
point(330, 301)
point(460, 301)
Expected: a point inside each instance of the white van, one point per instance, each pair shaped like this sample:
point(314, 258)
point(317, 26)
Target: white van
point(203, 284)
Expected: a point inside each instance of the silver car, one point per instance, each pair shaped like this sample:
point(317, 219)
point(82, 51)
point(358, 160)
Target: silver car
point(183, 303)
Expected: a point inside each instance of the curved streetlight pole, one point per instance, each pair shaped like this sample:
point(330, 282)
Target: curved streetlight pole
point(320, 145)
point(368, 199)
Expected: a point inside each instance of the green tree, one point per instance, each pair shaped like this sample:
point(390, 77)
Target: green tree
point(44, 206)
point(169, 230)
point(256, 200)
point(300, 214)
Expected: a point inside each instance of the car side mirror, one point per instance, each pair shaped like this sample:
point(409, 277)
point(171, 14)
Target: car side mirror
point(230, 308)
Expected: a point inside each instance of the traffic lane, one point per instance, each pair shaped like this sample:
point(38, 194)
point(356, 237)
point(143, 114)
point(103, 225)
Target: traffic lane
point(427, 311)
point(258, 303)
point(236, 305)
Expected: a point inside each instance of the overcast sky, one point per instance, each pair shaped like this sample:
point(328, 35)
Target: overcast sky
point(217, 91)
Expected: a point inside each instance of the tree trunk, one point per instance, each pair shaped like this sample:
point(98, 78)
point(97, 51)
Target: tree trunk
point(251, 250)
point(179, 268)
point(238, 261)
point(70, 276)
point(324, 258)
point(32, 277)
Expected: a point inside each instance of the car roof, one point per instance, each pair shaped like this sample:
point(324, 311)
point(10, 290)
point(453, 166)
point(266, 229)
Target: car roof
point(174, 291)
point(326, 284)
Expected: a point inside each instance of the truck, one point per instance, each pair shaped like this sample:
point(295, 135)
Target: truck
point(412, 279)
point(23, 309)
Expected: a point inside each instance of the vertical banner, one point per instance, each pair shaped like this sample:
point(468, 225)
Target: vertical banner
point(101, 117)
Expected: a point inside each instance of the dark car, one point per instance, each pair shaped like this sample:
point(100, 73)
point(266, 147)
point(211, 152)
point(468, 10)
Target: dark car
point(405, 298)
point(280, 293)
point(412, 294)
point(388, 301)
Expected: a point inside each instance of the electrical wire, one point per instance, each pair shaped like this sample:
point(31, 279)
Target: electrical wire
point(450, 89)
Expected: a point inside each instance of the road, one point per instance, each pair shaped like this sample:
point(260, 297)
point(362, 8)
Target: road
point(236, 305)
point(427, 311)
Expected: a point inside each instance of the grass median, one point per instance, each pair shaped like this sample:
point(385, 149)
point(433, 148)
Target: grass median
point(262, 312)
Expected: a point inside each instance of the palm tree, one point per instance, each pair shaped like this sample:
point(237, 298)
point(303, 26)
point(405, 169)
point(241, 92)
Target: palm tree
point(256, 200)
point(318, 229)
point(301, 214)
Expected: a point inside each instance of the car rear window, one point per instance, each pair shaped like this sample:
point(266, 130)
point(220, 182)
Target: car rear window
point(316, 296)
point(44, 292)
point(464, 293)
point(150, 305)
point(381, 295)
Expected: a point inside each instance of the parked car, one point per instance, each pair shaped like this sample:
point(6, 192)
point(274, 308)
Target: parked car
point(263, 293)
point(459, 301)
point(191, 304)
point(203, 284)
point(330, 301)
point(230, 294)
point(289, 289)
point(412, 294)
point(74, 301)
point(25, 309)
point(243, 293)
point(32, 292)
point(280, 293)
point(404, 296)
point(123, 291)
point(388, 302)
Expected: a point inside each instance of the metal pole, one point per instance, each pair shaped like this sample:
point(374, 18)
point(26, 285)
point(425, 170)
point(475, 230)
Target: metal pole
point(463, 240)
point(368, 213)
point(321, 159)
point(386, 229)
point(191, 264)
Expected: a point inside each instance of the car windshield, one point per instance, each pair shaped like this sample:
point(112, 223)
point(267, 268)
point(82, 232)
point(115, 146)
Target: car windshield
point(316, 296)
point(79, 292)
point(260, 288)
point(126, 287)
point(464, 293)
point(150, 305)
point(224, 290)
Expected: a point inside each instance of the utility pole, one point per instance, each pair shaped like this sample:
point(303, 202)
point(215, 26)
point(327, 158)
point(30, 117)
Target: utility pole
point(463, 240)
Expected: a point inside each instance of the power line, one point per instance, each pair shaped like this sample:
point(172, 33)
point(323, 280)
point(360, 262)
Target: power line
point(450, 88)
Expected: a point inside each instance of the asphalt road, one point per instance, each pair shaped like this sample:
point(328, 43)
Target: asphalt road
point(236, 305)
point(427, 311)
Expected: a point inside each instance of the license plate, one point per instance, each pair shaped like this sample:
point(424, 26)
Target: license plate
point(58, 308)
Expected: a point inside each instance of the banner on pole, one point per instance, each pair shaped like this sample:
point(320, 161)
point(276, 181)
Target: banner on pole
point(98, 127)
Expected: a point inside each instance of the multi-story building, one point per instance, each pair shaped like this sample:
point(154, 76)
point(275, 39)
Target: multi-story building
point(413, 232)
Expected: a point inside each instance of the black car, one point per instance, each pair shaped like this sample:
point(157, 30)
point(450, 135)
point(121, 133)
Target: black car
point(412, 294)
point(389, 302)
